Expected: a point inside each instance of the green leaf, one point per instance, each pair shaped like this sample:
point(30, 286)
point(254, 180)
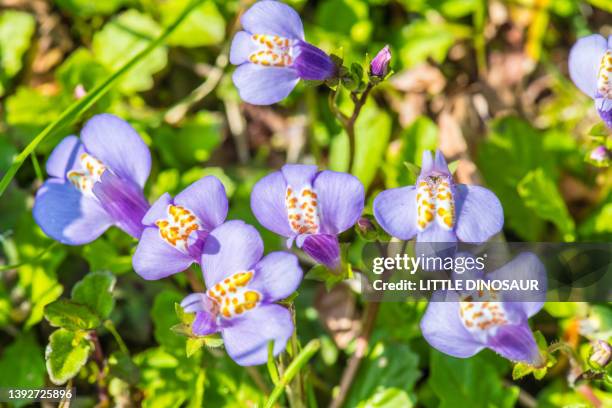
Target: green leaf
point(192, 143)
point(204, 26)
point(424, 39)
point(67, 352)
point(95, 291)
point(470, 382)
point(372, 133)
point(512, 150)
point(102, 255)
point(386, 378)
point(193, 345)
point(16, 29)
point(164, 318)
point(539, 193)
point(74, 111)
point(124, 37)
point(22, 364)
point(122, 366)
point(88, 8)
point(82, 69)
point(70, 315)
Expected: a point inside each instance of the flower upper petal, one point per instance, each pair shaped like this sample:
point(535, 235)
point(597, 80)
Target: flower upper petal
point(340, 200)
point(68, 216)
point(206, 198)
point(396, 212)
point(155, 259)
point(65, 157)
point(260, 85)
point(525, 266)
point(273, 17)
point(479, 213)
point(277, 276)
point(246, 339)
point(443, 330)
point(584, 59)
point(232, 247)
point(116, 144)
point(158, 211)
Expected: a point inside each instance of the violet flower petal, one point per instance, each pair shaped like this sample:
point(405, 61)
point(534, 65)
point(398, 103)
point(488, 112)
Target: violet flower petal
point(246, 338)
point(155, 259)
point(516, 343)
point(206, 198)
point(277, 276)
point(584, 59)
point(241, 48)
point(158, 211)
point(273, 17)
point(323, 248)
point(260, 85)
point(525, 266)
point(443, 329)
point(479, 213)
point(123, 201)
point(396, 212)
point(116, 144)
point(268, 204)
point(340, 200)
point(65, 157)
point(299, 175)
point(232, 247)
point(68, 216)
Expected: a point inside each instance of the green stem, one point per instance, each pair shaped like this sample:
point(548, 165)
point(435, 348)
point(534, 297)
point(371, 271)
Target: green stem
point(37, 170)
point(294, 368)
point(74, 111)
point(110, 326)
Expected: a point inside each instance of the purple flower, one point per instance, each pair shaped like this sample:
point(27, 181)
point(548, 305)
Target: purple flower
point(272, 54)
point(242, 291)
point(590, 67)
point(175, 229)
point(96, 182)
point(310, 207)
point(380, 64)
point(438, 210)
point(462, 324)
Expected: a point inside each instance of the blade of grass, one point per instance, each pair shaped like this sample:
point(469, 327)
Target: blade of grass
point(78, 108)
point(296, 365)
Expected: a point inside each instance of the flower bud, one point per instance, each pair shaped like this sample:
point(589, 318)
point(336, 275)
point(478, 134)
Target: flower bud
point(366, 229)
point(600, 354)
point(599, 154)
point(380, 64)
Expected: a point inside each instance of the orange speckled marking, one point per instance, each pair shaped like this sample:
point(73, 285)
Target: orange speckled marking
point(232, 295)
point(604, 76)
point(435, 201)
point(92, 170)
point(178, 226)
point(272, 51)
point(482, 318)
point(302, 210)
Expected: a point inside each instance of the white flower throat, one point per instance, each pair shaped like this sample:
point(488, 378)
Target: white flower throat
point(435, 202)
